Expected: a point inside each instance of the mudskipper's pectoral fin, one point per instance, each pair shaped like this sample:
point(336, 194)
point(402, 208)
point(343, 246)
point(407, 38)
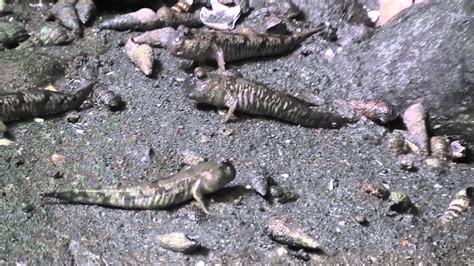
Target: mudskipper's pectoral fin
point(219, 56)
point(199, 196)
point(231, 103)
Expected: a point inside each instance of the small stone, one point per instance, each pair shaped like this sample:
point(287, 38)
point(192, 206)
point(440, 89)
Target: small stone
point(362, 220)
point(434, 162)
point(112, 100)
point(27, 207)
point(332, 185)
point(300, 254)
point(73, 118)
point(306, 52)
point(5, 142)
point(58, 175)
point(400, 202)
point(373, 15)
point(57, 159)
point(281, 251)
point(204, 139)
point(177, 242)
point(82, 256)
point(407, 163)
point(457, 151)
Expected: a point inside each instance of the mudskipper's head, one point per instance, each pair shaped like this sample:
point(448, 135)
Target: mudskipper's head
point(203, 88)
point(178, 45)
point(217, 175)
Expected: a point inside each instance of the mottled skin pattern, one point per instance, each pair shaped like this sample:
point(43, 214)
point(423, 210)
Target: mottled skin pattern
point(203, 45)
point(204, 178)
point(36, 102)
point(237, 93)
point(460, 204)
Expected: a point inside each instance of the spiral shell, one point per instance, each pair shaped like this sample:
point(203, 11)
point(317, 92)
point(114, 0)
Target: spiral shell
point(182, 6)
point(291, 235)
point(53, 34)
point(458, 205)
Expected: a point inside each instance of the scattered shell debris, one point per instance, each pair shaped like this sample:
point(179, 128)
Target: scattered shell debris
point(177, 242)
point(291, 235)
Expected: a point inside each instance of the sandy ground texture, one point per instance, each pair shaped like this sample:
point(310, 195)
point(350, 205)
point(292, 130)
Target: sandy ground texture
point(426, 52)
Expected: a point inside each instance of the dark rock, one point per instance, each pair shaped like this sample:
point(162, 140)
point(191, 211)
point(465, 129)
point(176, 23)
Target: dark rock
point(441, 73)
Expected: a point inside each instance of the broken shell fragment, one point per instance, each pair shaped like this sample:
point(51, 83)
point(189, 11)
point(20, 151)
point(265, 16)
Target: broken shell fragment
point(53, 34)
point(86, 10)
point(414, 119)
point(142, 19)
point(458, 205)
point(396, 143)
point(11, 34)
point(141, 55)
point(182, 6)
point(379, 111)
point(157, 38)
point(377, 190)
point(457, 151)
point(291, 235)
point(177, 242)
point(221, 17)
point(400, 202)
point(65, 12)
point(260, 181)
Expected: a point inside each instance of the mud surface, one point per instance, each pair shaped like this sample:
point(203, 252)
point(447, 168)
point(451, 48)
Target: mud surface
point(146, 140)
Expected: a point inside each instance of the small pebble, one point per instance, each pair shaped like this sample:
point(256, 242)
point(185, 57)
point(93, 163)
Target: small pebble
point(27, 207)
point(73, 118)
point(177, 242)
point(362, 220)
point(407, 163)
point(58, 175)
